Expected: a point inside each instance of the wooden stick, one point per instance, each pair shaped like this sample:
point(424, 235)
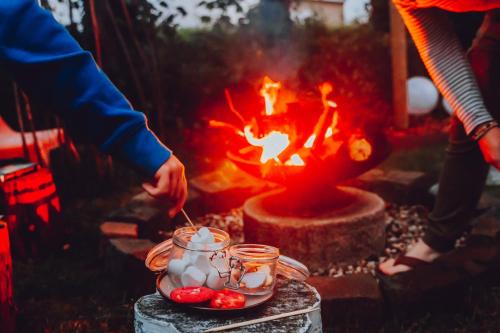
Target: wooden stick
point(399, 60)
point(261, 320)
point(187, 217)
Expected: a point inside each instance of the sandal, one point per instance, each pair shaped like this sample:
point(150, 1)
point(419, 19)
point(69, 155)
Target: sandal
point(407, 261)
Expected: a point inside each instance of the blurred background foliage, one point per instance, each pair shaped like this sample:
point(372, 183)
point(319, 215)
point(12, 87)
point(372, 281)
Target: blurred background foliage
point(175, 76)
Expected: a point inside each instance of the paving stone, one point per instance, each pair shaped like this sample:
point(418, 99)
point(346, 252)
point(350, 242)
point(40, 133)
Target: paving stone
point(398, 186)
point(148, 213)
point(488, 224)
point(112, 229)
point(226, 188)
point(124, 264)
point(349, 299)
point(137, 248)
point(486, 201)
point(154, 314)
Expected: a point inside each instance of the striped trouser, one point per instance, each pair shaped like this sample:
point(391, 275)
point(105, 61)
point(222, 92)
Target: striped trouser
point(464, 173)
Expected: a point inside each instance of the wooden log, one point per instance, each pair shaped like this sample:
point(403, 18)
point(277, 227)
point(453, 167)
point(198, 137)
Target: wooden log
point(7, 315)
point(154, 315)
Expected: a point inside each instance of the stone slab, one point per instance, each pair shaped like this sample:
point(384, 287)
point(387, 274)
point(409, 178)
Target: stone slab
point(124, 264)
point(227, 187)
point(154, 314)
point(353, 298)
point(112, 229)
point(398, 186)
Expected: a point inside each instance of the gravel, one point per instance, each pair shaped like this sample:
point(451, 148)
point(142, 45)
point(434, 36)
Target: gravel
point(405, 225)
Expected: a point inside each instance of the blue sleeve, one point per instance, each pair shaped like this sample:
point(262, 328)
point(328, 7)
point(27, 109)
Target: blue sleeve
point(52, 68)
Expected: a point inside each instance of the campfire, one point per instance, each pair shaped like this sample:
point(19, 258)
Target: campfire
point(291, 137)
point(310, 143)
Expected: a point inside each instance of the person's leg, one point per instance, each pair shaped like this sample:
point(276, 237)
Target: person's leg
point(464, 173)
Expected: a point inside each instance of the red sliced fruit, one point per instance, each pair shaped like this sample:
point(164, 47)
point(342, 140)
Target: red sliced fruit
point(227, 299)
point(191, 295)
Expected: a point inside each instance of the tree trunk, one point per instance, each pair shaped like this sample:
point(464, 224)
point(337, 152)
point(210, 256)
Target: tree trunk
point(399, 69)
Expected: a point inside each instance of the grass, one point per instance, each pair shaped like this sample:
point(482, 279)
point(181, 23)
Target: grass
point(70, 291)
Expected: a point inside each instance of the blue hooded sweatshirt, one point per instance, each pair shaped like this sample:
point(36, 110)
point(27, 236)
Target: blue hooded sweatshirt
point(51, 67)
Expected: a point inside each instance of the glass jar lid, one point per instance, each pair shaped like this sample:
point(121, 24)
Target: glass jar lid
point(157, 258)
point(292, 269)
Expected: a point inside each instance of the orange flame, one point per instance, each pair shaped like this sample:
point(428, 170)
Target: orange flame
point(270, 91)
point(275, 141)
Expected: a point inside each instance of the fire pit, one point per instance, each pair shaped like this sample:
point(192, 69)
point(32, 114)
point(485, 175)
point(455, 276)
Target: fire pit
point(309, 144)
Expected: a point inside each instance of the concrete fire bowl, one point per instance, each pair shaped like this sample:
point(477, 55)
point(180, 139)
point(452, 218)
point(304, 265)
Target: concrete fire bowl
point(343, 226)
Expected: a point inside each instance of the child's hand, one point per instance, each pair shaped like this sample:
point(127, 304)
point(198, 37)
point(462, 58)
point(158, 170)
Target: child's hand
point(169, 183)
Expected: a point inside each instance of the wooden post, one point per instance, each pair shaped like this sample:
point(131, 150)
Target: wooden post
point(7, 315)
point(399, 68)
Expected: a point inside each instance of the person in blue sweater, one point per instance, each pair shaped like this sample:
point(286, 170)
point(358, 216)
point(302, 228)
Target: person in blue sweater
point(52, 68)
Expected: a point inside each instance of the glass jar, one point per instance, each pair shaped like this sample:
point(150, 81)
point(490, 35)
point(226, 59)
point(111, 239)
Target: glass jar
point(248, 268)
point(192, 263)
point(257, 273)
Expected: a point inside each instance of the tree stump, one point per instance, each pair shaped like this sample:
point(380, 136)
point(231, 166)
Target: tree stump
point(341, 225)
point(7, 315)
point(154, 314)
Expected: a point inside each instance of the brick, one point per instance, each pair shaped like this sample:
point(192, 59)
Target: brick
point(119, 230)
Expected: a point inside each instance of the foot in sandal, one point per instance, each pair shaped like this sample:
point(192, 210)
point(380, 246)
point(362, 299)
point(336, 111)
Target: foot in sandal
point(418, 255)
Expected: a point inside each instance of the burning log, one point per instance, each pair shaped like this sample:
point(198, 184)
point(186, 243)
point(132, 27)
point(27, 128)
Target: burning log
point(322, 125)
point(304, 138)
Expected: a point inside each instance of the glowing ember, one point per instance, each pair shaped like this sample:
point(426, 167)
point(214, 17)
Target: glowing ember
point(359, 149)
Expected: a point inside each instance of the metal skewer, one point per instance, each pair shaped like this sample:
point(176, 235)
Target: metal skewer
point(187, 217)
point(261, 320)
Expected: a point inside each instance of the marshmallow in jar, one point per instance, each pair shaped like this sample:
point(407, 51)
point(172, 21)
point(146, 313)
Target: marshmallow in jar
point(190, 263)
point(260, 265)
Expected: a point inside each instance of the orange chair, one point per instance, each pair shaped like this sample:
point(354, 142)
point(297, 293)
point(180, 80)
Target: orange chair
point(11, 142)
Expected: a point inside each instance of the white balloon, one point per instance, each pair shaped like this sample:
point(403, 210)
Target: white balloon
point(423, 95)
point(446, 106)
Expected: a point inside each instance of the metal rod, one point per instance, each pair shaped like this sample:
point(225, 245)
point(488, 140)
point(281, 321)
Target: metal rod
point(187, 217)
